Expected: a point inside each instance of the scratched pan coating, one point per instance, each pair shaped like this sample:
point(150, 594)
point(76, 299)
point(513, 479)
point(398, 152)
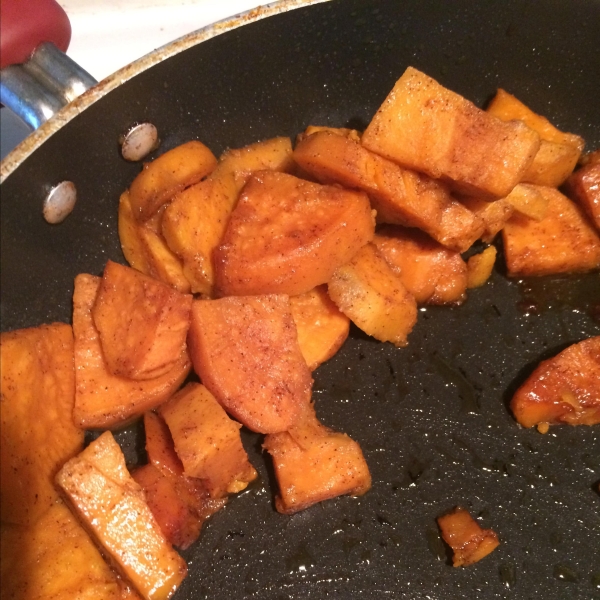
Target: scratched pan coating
point(432, 418)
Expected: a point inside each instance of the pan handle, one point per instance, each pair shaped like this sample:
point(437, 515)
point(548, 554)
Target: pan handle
point(37, 78)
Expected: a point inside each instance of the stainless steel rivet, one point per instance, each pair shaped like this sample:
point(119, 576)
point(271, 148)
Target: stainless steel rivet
point(59, 202)
point(139, 141)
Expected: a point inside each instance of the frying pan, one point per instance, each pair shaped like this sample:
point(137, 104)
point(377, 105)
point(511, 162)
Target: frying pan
point(432, 418)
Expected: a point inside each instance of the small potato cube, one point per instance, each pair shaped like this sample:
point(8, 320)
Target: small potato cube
point(373, 296)
point(142, 323)
point(287, 235)
point(584, 187)
point(529, 201)
point(129, 236)
point(104, 400)
point(423, 126)
point(322, 328)
point(431, 273)
point(113, 508)
point(37, 433)
point(170, 173)
point(563, 242)
point(246, 352)
point(562, 389)
point(480, 266)
point(313, 463)
point(207, 441)
point(469, 542)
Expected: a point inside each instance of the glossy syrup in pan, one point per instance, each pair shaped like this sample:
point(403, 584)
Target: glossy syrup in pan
point(432, 418)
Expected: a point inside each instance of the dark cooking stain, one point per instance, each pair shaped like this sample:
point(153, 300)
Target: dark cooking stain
point(508, 575)
point(565, 573)
point(435, 544)
point(452, 376)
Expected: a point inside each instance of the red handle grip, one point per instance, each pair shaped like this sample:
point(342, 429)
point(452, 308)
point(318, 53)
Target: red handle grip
point(25, 24)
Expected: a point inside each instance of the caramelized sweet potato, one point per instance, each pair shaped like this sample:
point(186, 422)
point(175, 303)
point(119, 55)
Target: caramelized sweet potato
point(558, 153)
point(112, 506)
point(142, 323)
point(313, 463)
point(431, 273)
point(562, 389)
point(529, 201)
point(469, 542)
point(584, 187)
point(493, 214)
point(37, 434)
point(287, 235)
point(245, 350)
point(171, 172)
point(480, 266)
point(101, 399)
point(207, 441)
point(372, 294)
point(321, 327)
point(562, 242)
point(423, 126)
point(160, 449)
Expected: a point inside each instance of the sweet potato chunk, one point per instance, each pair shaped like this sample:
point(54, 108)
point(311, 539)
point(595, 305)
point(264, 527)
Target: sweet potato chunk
point(563, 389)
point(101, 399)
point(37, 434)
point(245, 350)
point(480, 266)
point(112, 507)
point(423, 126)
point(529, 201)
point(171, 172)
point(469, 542)
point(313, 463)
point(207, 441)
point(54, 558)
point(372, 294)
point(431, 273)
point(353, 134)
point(159, 446)
point(562, 242)
point(287, 235)
point(493, 214)
point(142, 323)
point(322, 328)
point(558, 153)
point(584, 187)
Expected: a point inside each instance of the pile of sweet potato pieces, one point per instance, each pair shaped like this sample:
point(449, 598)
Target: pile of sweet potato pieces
point(248, 270)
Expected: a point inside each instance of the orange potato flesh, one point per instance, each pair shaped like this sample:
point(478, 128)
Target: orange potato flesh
point(321, 327)
point(469, 542)
point(494, 214)
point(207, 441)
point(103, 400)
point(55, 558)
point(563, 242)
point(245, 350)
point(313, 463)
point(562, 389)
point(584, 187)
point(373, 296)
point(480, 266)
point(112, 506)
point(168, 174)
point(529, 201)
point(353, 134)
point(431, 273)
point(37, 433)
point(287, 235)
point(423, 126)
point(142, 323)
point(131, 242)
point(159, 446)
point(559, 151)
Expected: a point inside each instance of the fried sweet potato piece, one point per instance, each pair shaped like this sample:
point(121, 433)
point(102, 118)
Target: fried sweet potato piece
point(493, 214)
point(245, 350)
point(372, 294)
point(469, 542)
point(423, 126)
point(112, 506)
point(480, 266)
point(584, 187)
point(562, 389)
point(321, 327)
point(142, 323)
point(562, 242)
point(287, 235)
point(207, 441)
point(171, 172)
point(431, 273)
point(37, 434)
point(558, 153)
point(313, 463)
point(101, 399)
point(159, 446)
point(353, 134)
point(528, 200)
point(55, 558)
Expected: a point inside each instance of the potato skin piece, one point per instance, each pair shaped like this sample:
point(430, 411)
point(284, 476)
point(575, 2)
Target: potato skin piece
point(245, 350)
point(562, 389)
point(287, 235)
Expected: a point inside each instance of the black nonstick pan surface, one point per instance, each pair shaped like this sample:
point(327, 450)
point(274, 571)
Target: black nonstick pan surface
point(432, 418)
